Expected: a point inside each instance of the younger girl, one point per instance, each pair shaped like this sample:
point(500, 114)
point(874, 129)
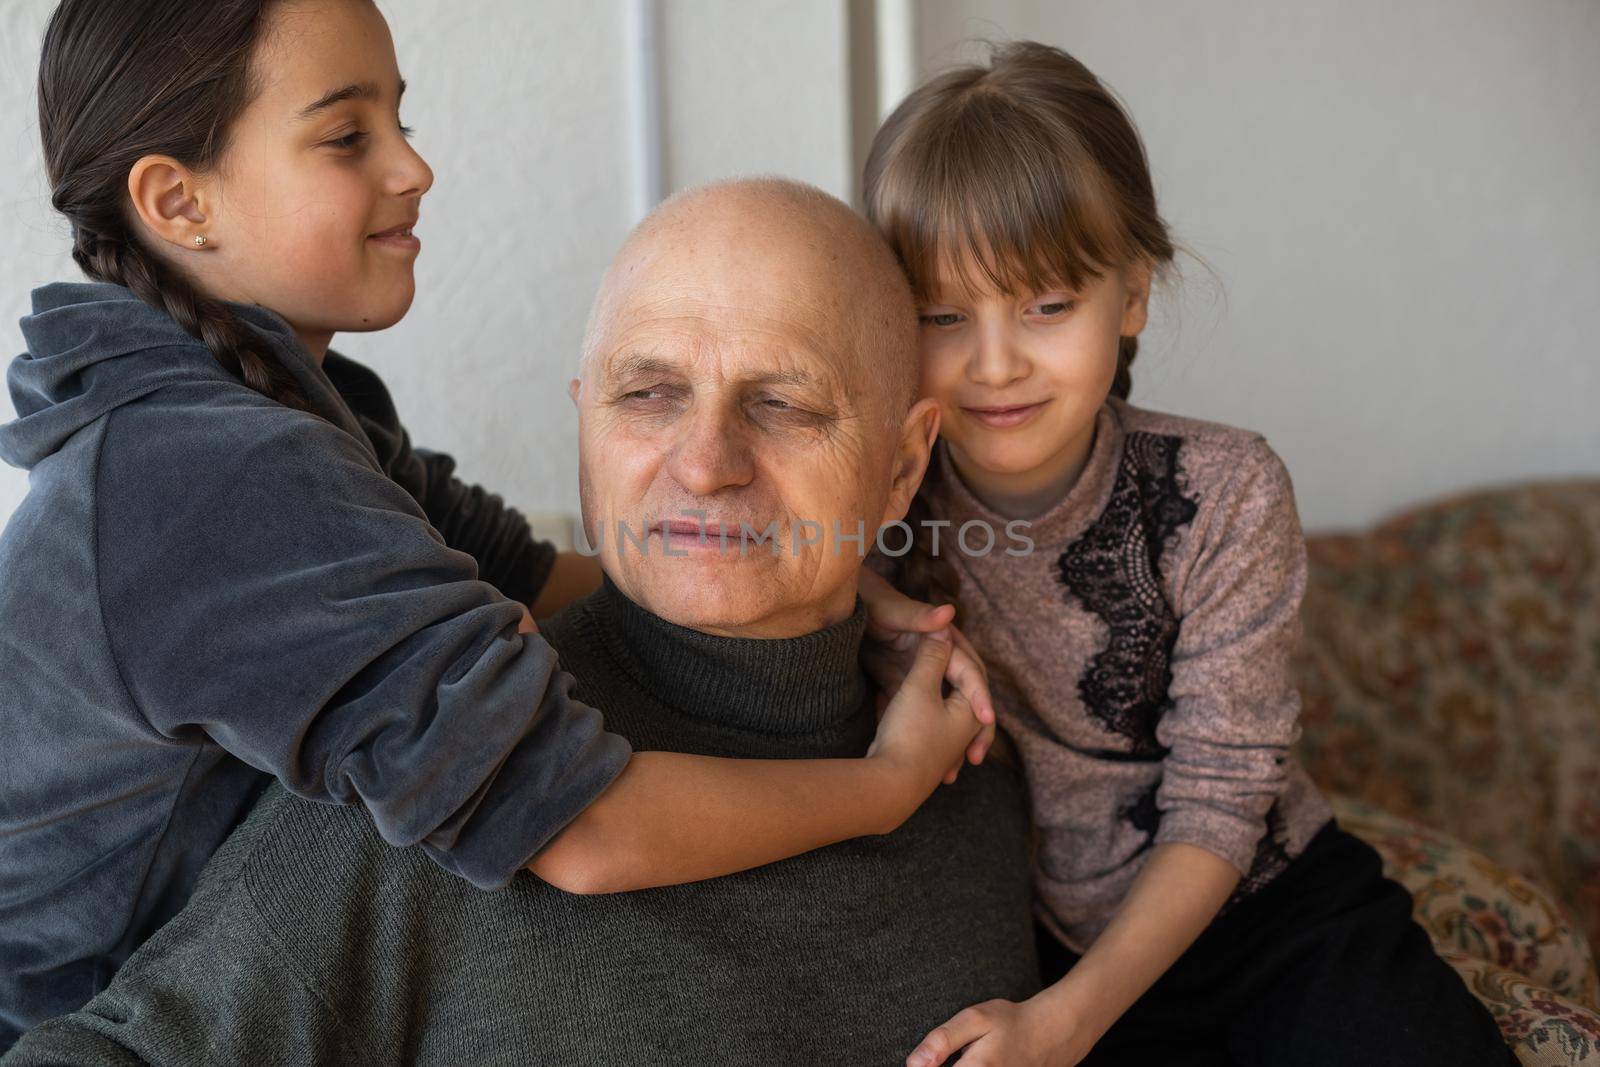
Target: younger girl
point(231, 565)
point(1198, 902)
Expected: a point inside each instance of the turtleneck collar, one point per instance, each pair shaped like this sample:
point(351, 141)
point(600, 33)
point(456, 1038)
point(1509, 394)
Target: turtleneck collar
point(1068, 517)
point(778, 686)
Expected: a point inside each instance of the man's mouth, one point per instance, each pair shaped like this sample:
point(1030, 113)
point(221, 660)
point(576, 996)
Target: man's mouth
point(688, 535)
point(675, 528)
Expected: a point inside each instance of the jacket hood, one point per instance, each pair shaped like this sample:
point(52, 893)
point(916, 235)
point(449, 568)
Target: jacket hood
point(93, 347)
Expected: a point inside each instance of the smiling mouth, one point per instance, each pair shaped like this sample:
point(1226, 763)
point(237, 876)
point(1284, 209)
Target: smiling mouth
point(1005, 409)
point(711, 530)
point(1005, 416)
point(393, 231)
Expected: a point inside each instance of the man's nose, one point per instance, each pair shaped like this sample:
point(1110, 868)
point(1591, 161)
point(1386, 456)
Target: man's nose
point(713, 453)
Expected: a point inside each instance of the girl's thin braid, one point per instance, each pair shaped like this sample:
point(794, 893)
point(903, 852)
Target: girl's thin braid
point(99, 114)
point(209, 321)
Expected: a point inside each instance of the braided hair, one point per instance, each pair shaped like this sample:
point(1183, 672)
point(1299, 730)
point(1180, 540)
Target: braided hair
point(123, 79)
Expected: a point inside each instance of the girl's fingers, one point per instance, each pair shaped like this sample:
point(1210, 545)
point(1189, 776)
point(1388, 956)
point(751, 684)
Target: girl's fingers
point(895, 640)
point(980, 745)
point(886, 671)
point(963, 1029)
point(932, 618)
point(931, 662)
point(891, 610)
point(968, 674)
point(901, 614)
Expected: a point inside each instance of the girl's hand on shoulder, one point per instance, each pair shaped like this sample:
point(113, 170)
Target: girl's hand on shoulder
point(894, 624)
point(1005, 1033)
point(922, 732)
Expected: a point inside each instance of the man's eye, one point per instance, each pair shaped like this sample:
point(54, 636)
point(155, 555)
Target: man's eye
point(641, 394)
point(349, 140)
point(944, 318)
point(783, 413)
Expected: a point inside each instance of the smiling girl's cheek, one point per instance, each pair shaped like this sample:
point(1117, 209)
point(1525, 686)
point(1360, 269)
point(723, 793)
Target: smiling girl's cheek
point(941, 370)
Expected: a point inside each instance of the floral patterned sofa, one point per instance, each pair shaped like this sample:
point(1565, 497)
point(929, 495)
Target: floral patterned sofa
point(1451, 681)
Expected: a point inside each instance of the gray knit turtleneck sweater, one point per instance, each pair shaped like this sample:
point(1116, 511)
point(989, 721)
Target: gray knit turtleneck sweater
point(311, 941)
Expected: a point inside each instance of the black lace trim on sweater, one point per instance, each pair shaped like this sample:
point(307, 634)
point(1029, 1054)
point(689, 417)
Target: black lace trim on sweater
point(1114, 570)
point(1272, 856)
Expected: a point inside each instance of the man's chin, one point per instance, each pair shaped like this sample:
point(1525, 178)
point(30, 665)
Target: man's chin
point(721, 597)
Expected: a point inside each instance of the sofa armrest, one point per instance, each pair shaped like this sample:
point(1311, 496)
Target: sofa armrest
point(1509, 939)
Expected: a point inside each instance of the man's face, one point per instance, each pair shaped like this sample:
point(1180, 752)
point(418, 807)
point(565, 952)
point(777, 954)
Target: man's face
point(730, 392)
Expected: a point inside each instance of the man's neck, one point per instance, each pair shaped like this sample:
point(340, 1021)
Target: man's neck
point(791, 685)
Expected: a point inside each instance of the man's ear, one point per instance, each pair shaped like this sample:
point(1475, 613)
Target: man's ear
point(917, 434)
point(575, 387)
point(1136, 308)
point(169, 201)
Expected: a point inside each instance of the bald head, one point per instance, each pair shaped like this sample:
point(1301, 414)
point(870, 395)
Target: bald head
point(750, 365)
point(784, 244)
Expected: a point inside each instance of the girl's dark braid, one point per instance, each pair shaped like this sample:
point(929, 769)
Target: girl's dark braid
point(209, 321)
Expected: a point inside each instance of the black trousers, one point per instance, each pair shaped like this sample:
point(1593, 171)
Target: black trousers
point(1322, 966)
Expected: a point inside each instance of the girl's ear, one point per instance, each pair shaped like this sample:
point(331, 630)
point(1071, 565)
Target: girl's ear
point(1136, 308)
point(917, 434)
point(167, 198)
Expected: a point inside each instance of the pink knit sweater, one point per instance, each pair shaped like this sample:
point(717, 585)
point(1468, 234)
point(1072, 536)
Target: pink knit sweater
point(1140, 657)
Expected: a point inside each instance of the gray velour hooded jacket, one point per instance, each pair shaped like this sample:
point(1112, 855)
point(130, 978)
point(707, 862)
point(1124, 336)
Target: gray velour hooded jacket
point(205, 589)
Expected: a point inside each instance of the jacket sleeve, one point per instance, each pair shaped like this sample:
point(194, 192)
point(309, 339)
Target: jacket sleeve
point(468, 517)
point(1235, 705)
point(265, 585)
point(477, 522)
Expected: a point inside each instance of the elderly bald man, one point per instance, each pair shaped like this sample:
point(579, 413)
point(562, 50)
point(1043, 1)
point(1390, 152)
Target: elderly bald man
point(749, 365)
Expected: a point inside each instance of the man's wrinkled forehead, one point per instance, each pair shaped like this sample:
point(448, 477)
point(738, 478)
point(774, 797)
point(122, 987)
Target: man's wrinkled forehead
point(750, 332)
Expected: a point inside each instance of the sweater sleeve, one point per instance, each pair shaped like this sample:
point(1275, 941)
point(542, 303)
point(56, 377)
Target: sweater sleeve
point(1235, 704)
point(214, 1001)
point(212, 987)
point(265, 586)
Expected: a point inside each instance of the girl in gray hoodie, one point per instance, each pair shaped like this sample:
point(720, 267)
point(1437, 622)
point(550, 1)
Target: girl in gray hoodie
point(231, 566)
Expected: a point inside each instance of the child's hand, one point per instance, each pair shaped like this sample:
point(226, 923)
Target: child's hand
point(894, 622)
point(922, 731)
point(1004, 1033)
point(527, 625)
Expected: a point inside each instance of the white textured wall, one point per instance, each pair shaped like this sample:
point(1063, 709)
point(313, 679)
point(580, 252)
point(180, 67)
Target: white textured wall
point(1403, 204)
point(33, 244)
point(754, 87)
